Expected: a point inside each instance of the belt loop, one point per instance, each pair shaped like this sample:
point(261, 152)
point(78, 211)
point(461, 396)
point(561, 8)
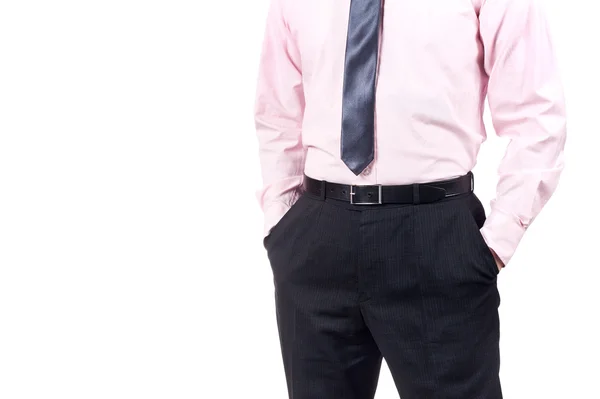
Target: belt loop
point(472, 182)
point(322, 190)
point(416, 199)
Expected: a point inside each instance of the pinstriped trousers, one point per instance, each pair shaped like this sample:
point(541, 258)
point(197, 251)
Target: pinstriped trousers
point(414, 284)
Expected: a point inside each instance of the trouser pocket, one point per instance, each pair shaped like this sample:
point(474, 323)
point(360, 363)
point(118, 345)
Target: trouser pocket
point(288, 217)
point(475, 218)
point(448, 243)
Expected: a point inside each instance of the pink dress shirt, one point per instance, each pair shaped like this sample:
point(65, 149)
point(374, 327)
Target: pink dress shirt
point(437, 62)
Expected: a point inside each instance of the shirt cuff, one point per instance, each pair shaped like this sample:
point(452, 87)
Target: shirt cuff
point(502, 232)
point(273, 214)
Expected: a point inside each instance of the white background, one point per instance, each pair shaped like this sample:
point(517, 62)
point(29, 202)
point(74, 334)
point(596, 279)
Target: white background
point(131, 258)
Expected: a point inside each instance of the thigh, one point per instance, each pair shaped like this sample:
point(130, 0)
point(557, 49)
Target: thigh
point(436, 320)
point(327, 350)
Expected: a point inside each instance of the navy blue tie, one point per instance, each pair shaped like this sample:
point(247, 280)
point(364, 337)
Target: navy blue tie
point(358, 101)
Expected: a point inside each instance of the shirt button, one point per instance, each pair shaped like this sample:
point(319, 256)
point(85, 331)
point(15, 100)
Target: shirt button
point(367, 171)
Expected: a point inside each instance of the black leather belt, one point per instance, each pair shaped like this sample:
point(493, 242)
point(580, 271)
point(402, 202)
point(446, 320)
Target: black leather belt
point(417, 193)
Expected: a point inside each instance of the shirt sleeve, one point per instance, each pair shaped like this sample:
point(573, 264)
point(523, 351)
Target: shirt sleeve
point(526, 102)
point(279, 109)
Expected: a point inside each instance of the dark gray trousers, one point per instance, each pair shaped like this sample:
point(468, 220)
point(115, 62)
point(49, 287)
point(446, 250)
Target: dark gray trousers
point(414, 284)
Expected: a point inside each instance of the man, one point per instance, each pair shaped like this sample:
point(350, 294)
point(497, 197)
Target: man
point(369, 121)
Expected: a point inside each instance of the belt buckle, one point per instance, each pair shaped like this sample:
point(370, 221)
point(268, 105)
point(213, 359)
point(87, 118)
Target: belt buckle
point(352, 193)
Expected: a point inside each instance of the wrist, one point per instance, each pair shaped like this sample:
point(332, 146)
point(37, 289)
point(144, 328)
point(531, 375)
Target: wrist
point(497, 259)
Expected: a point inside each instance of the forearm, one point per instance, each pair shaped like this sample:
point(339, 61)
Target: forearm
point(278, 114)
point(527, 106)
point(282, 167)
